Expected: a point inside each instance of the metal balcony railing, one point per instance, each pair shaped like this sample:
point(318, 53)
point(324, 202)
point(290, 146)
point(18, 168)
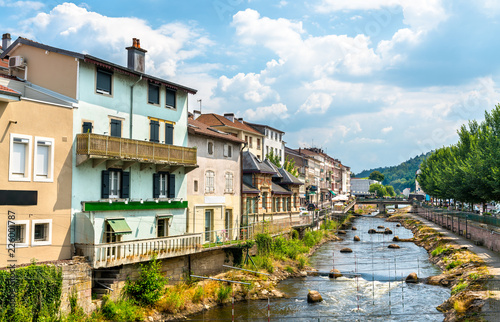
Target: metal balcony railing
point(96, 145)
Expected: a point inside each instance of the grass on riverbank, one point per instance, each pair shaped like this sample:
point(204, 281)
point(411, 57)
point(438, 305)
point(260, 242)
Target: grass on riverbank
point(281, 256)
point(463, 271)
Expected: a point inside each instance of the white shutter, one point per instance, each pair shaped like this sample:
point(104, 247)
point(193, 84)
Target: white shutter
point(18, 158)
point(42, 163)
point(226, 146)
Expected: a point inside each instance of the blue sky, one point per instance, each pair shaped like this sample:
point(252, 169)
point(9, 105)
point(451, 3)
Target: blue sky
point(371, 82)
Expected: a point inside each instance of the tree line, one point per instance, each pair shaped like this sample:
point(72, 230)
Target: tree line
point(468, 171)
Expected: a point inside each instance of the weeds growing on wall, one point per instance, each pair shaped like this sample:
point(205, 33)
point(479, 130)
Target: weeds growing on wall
point(33, 293)
point(150, 286)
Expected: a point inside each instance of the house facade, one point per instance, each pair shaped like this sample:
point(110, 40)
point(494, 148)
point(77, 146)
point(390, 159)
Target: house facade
point(272, 141)
point(236, 126)
point(214, 189)
point(130, 154)
point(35, 184)
point(268, 192)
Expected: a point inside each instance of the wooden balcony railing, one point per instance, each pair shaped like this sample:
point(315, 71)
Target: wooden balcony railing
point(128, 252)
point(103, 146)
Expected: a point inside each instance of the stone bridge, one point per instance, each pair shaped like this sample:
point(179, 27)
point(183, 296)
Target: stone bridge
point(382, 203)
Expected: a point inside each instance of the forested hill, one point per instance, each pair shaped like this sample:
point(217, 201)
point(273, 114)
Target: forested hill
point(400, 176)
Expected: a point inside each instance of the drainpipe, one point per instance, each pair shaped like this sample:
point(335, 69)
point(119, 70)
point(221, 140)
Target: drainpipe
point(132, 105)
point(241, 183)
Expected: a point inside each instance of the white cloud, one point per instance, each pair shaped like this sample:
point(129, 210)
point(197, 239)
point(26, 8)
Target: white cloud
point(278, 110)
point(386, 130)
point(33, 5)
point(92, 32)
point(247, 86)
point(366, 141)
point(317, 103)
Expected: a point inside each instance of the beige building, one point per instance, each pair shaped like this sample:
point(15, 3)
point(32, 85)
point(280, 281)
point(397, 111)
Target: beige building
point(236, 126)
point(214, 188)
point(35, 183)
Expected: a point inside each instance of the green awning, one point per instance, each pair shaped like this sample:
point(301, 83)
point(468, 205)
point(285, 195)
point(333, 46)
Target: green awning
point(119, 226)
point(333, 193)
point(164, 216)
point(311, 192)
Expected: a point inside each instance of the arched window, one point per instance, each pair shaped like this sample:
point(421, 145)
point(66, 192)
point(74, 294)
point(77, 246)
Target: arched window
point(209, 181)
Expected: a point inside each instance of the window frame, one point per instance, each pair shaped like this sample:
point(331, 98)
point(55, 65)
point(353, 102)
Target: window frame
point(158, 87)
point(166, 225)
point(210, 142)
point(91, 125)
point(46, 242)
point(26, 233)
point(50, 162)
point(27, 157)
point(102, 91)
point(167, 91)
point(111, 119)
point(156, 124)
point(229, 182)
point(209, 181)
point(164, 177)
point(228, 150)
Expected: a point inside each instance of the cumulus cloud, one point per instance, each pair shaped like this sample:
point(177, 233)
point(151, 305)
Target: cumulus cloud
point(317, 103)
point(247, 86)
point(92, 32)
point(386, 130)
point(32, 5)
point(267, 113)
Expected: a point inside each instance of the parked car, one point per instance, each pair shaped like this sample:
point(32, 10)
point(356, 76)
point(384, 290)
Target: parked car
point(303, 211)
point(311, 206)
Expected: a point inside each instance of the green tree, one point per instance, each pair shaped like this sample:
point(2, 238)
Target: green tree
point(289, 165)
point(378, 189)
point(376, 175)
point(390, 190)
point(275, 159)
point(150, 286)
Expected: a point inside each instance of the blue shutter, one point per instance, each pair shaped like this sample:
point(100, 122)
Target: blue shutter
point(156, 185)
point(125, 185)
point(169, 133)
point(103, 81)
point(170, 98)
point(171, 185)
point(116, 128)
point(87, 127)
point(105, 184)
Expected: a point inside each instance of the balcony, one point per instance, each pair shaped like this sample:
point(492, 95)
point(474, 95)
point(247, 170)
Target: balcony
point(114, 254)
point(103, 148)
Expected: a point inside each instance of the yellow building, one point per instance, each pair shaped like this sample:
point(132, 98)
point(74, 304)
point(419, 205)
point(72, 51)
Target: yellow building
point(35, 181)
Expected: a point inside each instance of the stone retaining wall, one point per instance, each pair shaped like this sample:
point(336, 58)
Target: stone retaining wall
point(77, 277)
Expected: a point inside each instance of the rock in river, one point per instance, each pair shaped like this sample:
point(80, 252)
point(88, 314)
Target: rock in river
point(356, 238)
point(346, 250)
point(387, 231)
point(313, 297)
point(334, 273)
point(380, 227)
point(354, 228)
point(393, 246)
point(396, 238)
point(341, 232)
point(372, 231)
point(412, 278)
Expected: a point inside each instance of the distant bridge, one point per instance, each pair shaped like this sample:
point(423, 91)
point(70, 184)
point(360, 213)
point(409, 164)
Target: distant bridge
point(382, 203)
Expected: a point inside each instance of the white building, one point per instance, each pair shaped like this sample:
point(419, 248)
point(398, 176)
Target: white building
point(273, 140)
point(361, 187)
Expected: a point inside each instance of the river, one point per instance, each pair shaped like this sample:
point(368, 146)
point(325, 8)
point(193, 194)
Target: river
point(378, 294)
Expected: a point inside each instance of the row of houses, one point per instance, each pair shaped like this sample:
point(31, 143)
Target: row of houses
point(105, 161)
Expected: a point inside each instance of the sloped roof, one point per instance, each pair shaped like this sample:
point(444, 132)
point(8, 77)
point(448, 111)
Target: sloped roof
point(288, 178)
point(219, 120)
point(265, 126)
point(279, 190)
point(249, 189)
point(199, 128)
point(96, 61)
point(251, 164)
point(9, 91)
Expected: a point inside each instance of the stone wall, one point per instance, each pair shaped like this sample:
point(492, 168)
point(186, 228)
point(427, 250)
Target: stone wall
point(77, 277)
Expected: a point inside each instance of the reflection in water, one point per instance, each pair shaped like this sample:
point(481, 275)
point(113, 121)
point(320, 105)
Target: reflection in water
point(377, 295)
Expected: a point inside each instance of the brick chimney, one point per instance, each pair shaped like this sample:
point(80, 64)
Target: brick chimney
point(136, 56)
point(5, 41)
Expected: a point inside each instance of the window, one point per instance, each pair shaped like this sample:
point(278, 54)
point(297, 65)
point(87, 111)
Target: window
point(210, 148)
point(250, 142)
point(169, 133)
point(208, 224)
point(116, 128)
point(154, 131)
point(44, 159)
point(18, 233)
point(162, 224)
point(209, 181)
point(258, 144)
point(289, 203)
point(264, 200)
point(229, 182)
point(228, 150)
point(153, 94)
point(20, 157)
point(41, 232)
point(267, 150)
point(87, 127)
point(170, 100)
point(115, 184)
point(246, 139)
point(195, 185)
point(163, 185)
point(103, 81)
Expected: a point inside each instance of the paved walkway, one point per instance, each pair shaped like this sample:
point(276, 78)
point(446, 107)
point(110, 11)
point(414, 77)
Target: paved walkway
point(491, 310)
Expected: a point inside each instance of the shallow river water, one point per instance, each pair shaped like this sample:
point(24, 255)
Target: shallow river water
point(378, 294)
